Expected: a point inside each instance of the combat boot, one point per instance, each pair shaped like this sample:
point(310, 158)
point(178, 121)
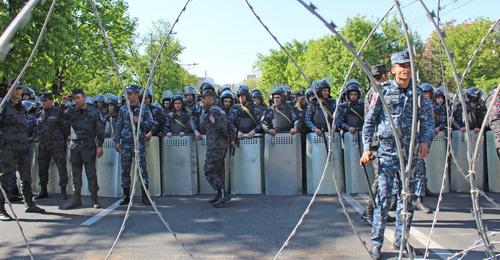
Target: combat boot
point(222, 199)
point(75, 202)
point(95, 201)
point(367, 216)
point(4, 216)
point(419, 205)
point(215, 198)
point(31, 207)
point(64, 194)
point(145, 199)
point(125, 196)
point(390, 219)
point(375, 253)
point(13, 194)
point(43, 193)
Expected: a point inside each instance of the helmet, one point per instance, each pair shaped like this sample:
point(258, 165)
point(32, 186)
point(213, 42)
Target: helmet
point(426, 87)
point(287, 90)
point(257, 94)
point(243, 90)
point(227, 94)
point(189, 90)
point(473, 93)
point(27, 105)
point(224, 88)
point(178, 97)
point(299, 93)
point(99, 98)
point(133, 88)
point(28, 91)
point(440, 92)
point(352, 85)
point(90, 101)
point(319, 85)
point(206, 86)
point(113, 100)
point(278, 91)
point(309, 93)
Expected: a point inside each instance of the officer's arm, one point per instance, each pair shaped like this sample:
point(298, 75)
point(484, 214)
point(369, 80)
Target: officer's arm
point(167, 123)
point(457, 118)
point(99, 130)
point(426, 122)
point(266, 120)
point(442, 120)
point(295, 118)
point(148, 123)
point(118, 127)
point(372, 119)
point(309, 117)
point(193, 122)
point(258, 124)
point(233, 115)
point(341, 118)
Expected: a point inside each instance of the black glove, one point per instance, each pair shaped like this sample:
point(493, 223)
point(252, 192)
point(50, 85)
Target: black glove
point(498, 152)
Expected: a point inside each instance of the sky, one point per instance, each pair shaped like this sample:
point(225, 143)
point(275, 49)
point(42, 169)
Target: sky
point(223, 38)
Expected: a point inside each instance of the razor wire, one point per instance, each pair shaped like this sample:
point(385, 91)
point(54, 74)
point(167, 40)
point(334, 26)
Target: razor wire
point(18, 78)
point(474, 194)
point(136, 133)
point(331, 133)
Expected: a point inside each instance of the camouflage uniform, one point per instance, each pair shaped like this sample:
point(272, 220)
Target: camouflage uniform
point(52, 138)
point(400, 104)
point(314, 115)
point(494, 120)
point(124, 137)
point(246, 118)
point(178, 122)
point(281, 118)
point(159, 118)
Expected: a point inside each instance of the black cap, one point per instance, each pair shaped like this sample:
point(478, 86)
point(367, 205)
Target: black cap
point(47, 95)
point(378, 69)
point(208, 93)
point(77, 91)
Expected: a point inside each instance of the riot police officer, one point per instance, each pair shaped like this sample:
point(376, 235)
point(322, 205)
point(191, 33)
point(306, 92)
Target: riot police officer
point(440, 117)
point(476, 111)
point(14, 155)
point(198, 113)
point(494, 120)
point(87, 137)
point(100, 104)
point(226, 100)
point(399, 97)
point(245, 116)
point(52, 134)
point(301, 108)
point(218, 139)
point(190, 98)
point(157, 114)
point(258, 99)
point(279, 117)
point(315, 119)
point(177, 121)
point(124, 141)
point(112, 117)
point(351, 113)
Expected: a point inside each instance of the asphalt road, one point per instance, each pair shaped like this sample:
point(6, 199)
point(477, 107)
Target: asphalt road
point(250, 227)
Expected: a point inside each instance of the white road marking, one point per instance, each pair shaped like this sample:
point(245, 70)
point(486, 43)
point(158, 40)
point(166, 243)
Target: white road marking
point(101, 214)
point(416, 233)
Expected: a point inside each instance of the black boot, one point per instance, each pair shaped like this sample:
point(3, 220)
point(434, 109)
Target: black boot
point(64, 194)
point(74, 203)
point(4, 216)
point(390, 219)
point(222, 199)
point(95, 202)
point(419, 205)
point(367, 216)
point(43, 193)
point(145, 199)
point(125, 196)
point(30, 205)
point(375, 253)
point(14, 195)
point(215, 198)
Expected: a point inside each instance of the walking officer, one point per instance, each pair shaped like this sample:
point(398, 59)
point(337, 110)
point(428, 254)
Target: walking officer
point(52, 134)
point(124, 141)
point(14, 152)
point(87, 137)
point(398, 95)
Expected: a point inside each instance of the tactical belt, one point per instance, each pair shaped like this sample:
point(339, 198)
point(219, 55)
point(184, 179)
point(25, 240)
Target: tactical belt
point(180, 123)
point(281, 113)
point(245, 109)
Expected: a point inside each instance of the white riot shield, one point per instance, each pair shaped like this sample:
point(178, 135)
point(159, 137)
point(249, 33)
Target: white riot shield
point(458, 181)
point(355, 180)
point(493, 163)
point(434, 164)
point(247, 166)
point(179, 166)
point(283, 164)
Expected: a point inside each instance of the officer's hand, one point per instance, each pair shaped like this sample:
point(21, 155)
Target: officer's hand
point(251, 134)
point(352, 130)
point(197, 135)
point(240, 135)
point(148, 136)
point(181, 134)
point(462, 129)
point(365, 158)
point(118, 147)
point(423, 150)
point(169, 134)
point(437, 130)
point(476, 130)
point(318, 132)
point(272, 131)
point(136, 119)
point(99, 152)
point(293, 131)
point(498, 152)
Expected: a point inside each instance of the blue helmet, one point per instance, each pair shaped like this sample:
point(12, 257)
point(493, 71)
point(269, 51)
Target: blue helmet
point(243, 90)
point(473, 93)
point(189, 90)
point(424, 87)
point(99, 98)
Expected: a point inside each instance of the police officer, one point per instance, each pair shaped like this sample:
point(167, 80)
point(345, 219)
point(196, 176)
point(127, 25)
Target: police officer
point(177, 121)
point(166, 104)
point(226, 100)
point(87, 137)
point(258, 99)
point(190, 98)
point(101, 106)
point(198, 113)
point(476, 111)
point(112, 117)
point(157, 114)
point(218, 139)
point(309, 95)
point(440, 117)
point(279, 117)
point(380, 74)
point(315, 119)
point(52, 145)
point(399, 97)
point(351, 113)
point(300, 109)
point(245, 116)
point(124, 141)
point(14, 152)
point(494, 120)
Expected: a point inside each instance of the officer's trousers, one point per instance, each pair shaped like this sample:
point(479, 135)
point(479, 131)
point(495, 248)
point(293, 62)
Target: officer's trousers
point(15, 156)
point(83, 154)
